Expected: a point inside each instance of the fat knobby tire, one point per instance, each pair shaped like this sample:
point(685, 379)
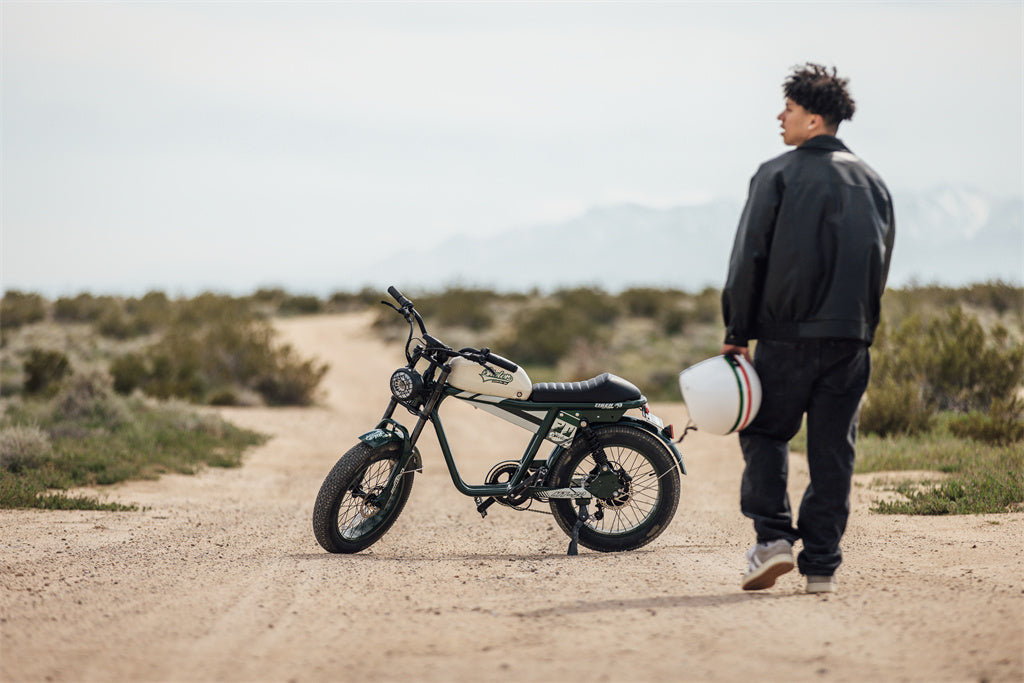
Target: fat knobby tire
point(344, 490)
point(641, 515)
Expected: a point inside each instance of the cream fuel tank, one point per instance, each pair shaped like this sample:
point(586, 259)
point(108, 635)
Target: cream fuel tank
point(490, 380)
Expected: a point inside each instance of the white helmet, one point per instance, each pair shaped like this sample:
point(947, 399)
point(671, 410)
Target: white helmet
point(722, 394)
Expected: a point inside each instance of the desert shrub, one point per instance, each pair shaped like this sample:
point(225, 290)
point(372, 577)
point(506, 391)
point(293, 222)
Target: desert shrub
point(269, 295)
point(546, 334)
point(1003, 424)
point(114, 318)
point(300, 305)
point(948, 363)
point(62, 444)
point(289, 380)
point(707, 306)
point(44, 370)
point(673, 321)
point(114, 323)
point(997, 295)
point(153, 311)
point(20, 308)
point(648, 302)
point(128, 372)
point(23, 447)
point(893, 407)
point(212, 363)
point(173, 366)
point(209, 307)
point(347, 301)
point(79, 309)
point(458, 307)
point(224, 397)
point(591, 303)
point(89, 399)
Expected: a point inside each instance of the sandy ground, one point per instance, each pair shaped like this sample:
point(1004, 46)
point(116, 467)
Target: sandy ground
point(219, 578)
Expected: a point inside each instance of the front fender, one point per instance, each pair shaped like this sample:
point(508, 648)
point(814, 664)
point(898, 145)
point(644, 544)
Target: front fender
point(381, 438)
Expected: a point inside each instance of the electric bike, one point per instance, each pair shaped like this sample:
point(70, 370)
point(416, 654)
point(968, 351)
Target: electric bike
point(611, 480)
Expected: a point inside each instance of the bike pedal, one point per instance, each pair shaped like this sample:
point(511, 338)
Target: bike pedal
point(482, 505)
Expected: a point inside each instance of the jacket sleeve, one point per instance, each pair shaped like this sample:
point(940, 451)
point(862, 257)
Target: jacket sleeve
point(741, 294)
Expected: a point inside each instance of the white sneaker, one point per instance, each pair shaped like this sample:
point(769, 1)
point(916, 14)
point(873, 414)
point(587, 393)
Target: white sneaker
point(767, 562)
point(821, 584)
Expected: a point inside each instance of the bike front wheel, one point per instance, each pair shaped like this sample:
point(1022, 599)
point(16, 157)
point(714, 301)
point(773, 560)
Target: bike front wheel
point(643, 503)
point(351, 513)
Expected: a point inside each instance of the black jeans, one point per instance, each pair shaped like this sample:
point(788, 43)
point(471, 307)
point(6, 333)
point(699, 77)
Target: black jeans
point(824, 378)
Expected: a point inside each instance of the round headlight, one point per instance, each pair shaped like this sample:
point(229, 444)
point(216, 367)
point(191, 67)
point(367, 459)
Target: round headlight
point(406, 383)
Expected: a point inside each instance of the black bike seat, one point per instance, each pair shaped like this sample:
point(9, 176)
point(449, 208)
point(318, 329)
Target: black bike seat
point(605, 388)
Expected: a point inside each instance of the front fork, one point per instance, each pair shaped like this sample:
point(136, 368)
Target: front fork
point(388, 431)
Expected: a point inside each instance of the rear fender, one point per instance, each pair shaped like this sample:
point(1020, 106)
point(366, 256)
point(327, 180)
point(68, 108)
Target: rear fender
point(639, 424)
point(668, 443)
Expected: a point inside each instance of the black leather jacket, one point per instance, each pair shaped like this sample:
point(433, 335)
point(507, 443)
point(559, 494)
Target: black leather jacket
point(812, 250)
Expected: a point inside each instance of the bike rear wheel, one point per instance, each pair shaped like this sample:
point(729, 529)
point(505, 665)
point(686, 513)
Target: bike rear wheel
point(346, 516)
point(639, 509)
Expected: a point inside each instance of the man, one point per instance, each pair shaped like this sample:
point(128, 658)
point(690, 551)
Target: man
point(805, 280)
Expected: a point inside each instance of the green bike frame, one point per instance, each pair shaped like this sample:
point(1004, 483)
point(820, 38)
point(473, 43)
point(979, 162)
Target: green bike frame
point(554, 422)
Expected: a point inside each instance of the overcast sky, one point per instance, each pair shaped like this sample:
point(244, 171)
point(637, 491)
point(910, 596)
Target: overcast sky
point(231, 145)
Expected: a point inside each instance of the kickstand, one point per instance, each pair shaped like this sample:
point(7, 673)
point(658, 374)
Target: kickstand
point(580, 520)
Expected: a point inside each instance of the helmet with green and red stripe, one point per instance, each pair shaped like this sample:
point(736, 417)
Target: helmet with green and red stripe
point(722, 394)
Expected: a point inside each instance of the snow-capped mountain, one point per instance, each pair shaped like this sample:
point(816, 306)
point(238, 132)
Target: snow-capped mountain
point(949, 236)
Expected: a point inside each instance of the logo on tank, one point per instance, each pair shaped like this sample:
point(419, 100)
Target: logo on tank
point(498, 376)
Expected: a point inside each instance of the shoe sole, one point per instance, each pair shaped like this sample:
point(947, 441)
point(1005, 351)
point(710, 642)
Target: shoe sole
point(821, 588)
point(765, 575)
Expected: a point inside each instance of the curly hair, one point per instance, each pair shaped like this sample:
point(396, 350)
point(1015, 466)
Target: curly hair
point(820, 91)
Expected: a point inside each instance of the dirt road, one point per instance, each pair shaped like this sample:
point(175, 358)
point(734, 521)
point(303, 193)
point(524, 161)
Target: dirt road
point(219, 578)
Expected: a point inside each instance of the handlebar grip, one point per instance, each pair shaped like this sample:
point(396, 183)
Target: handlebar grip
point(502, 363)
point(397, 296)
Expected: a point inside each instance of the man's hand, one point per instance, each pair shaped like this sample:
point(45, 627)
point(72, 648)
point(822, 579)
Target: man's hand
point(730, 350)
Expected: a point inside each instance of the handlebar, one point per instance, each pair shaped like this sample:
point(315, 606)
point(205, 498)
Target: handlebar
point(485, 356)
point(503, 363)
point(397, 296)
point(479, 355)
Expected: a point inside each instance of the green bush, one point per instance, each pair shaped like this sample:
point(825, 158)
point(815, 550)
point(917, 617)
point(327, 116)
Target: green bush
point(544, 335)
point(300, 305)
point(23, 447)
point(647, 302)
point(209, 307)
point(152, 312)
point(213, 363)
point(79, 309)
point(347, 301)
point(289, 381)
point(707, 306)
point(947, 363)
point(89, 399)
point(73, 440)
point(113, 323)
point(892, 407)
point(591, 303)
point(19, 308)
point(1003, 424)
point(457, 307)
point(129, 373)
point(44, 371)
point(998, 296)
point(674, 320)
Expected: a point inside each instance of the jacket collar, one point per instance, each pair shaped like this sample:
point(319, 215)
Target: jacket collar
point(826, 142)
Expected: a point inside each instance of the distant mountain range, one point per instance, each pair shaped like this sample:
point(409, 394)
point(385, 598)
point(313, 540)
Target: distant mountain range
point(949, 236)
